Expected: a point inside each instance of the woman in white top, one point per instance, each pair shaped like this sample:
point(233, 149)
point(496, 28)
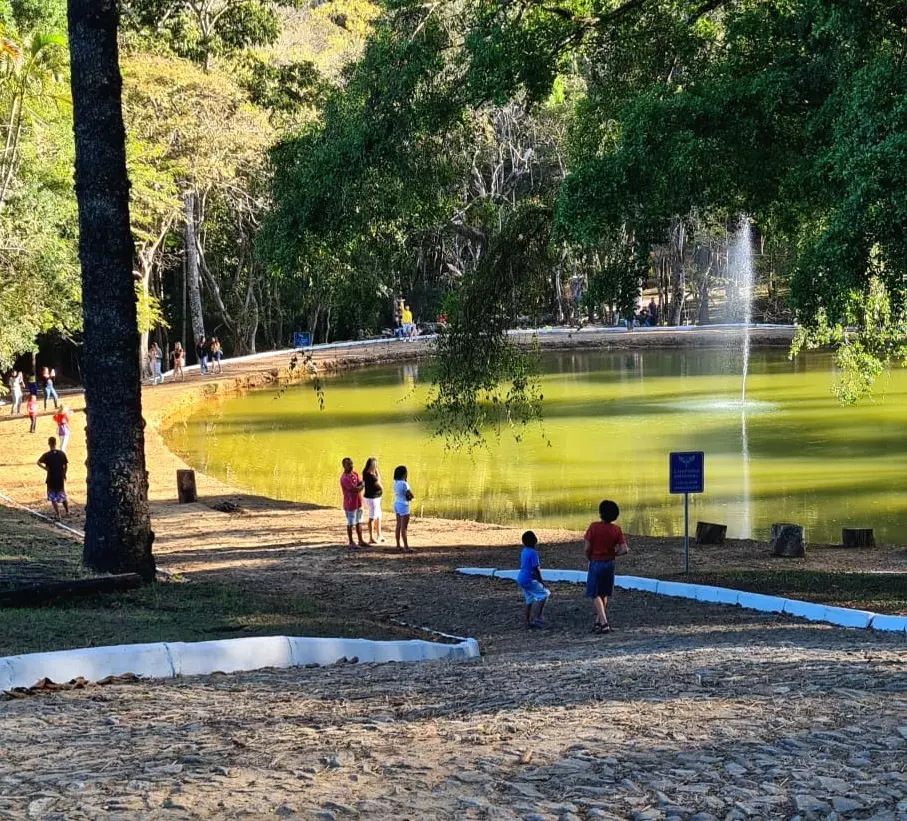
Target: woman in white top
point(402, 497)
point(15, 386)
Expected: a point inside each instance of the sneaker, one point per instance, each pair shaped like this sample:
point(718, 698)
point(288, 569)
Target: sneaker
point(535, 625)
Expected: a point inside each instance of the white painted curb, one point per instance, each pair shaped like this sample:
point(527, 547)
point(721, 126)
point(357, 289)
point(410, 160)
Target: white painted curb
point(839, 616)
point(227, 656)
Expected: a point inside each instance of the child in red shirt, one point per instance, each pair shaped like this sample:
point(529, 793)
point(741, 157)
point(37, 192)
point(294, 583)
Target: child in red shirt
point(604, 541)
point(31, 408)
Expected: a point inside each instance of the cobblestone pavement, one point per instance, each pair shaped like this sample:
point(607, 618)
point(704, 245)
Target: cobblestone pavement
point(751, 718)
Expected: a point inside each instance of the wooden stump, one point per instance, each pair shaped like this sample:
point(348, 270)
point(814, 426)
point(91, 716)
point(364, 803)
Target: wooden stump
point(185, 486)
point(710, 533)
point(857, 537)
point(787, 541)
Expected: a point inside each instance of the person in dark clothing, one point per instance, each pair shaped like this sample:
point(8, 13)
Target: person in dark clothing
point(201, 351)
point(48, 375)
point(653, 313)
point(55, 464)
point(371, 478)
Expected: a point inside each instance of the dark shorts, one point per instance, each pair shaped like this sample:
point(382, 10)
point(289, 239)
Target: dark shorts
point(600, 579)
point(54, 495)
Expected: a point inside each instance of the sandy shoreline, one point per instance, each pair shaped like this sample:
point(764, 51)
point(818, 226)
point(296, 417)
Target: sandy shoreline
point(193, 538)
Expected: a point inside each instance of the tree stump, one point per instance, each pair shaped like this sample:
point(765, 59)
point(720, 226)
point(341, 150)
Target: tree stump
point(787, 541)
point(857, 537)
point(185, 486)
point(710, 533)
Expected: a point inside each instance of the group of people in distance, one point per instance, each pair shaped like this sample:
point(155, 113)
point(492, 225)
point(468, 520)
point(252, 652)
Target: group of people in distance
point(61, 412)
point(17, 390)
point(209, 353)
point(604, 541)
point(648, 316)
point(404, 328)
point(368, 487)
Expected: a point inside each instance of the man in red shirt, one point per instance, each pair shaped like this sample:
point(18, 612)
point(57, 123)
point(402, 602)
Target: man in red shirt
point(604, 541)
point(352, 488)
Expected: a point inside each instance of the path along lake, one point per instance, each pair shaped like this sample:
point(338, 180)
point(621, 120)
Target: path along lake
point(610, 420)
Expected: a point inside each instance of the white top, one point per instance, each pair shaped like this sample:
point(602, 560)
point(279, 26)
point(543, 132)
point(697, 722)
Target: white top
point(401, 503)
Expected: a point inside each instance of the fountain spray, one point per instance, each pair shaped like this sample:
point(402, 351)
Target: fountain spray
point(742, 256)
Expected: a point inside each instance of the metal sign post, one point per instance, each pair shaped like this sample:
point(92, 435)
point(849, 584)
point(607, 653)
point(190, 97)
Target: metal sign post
point(686, 475)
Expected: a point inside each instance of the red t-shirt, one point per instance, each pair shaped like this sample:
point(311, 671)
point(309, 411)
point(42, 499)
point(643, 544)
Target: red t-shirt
point(603, 538)
point(352, 498)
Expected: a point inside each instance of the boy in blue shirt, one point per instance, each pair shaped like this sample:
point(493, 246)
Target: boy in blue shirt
point(530, 581)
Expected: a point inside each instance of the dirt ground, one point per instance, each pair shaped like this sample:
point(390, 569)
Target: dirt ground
point(687, 711)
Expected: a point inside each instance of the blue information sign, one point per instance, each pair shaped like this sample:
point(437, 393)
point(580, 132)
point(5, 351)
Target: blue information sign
point(302, 340)
point(687, 472)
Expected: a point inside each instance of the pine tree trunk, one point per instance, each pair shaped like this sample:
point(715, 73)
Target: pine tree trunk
point(192, 271)
point(118, 534)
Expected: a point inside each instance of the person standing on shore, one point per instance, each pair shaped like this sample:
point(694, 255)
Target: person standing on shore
point(373, 493)
point(216, 355)
point(48, 376)
point(61, 417)
point(604, 541)
point(406, 319)
point(15, 388)
point(154, 359)
point(178, 357)
point(403, 495)
point(55, 464)
point(201, 351)
point(352, 486)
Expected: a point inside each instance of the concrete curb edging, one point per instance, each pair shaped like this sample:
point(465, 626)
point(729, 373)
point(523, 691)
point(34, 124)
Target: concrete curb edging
point(172, 659)
point(838, 616)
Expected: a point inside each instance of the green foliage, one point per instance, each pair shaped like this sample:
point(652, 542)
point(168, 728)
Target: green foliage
point(148, 309)
point(483, 378)
point(283, 89)
point(39, 282)
point(200, 30)
point(875, 335)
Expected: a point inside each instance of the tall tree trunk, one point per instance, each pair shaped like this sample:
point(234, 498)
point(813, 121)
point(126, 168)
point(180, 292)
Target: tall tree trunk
point(192, 271)
point(118, 534)
point(144, 336)
point(678, 273)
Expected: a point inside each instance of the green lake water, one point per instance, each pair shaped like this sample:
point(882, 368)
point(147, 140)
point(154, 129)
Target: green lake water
point(610, 421)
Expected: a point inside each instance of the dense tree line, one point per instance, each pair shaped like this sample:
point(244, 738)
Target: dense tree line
point(478, 153)
point(637, 135)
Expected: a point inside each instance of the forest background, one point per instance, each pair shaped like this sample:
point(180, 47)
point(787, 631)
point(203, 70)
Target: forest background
point(298, 166)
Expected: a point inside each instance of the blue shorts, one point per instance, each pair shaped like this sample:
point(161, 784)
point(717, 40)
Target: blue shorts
point(600, 579)
point(353, 517)
point(535, 591)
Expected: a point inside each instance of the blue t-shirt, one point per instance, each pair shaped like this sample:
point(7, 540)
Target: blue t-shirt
point(529, 560)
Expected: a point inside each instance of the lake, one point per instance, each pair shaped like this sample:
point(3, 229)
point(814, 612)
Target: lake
point(610, 420)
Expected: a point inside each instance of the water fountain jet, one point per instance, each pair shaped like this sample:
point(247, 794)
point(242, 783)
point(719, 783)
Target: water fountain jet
point(741, 252)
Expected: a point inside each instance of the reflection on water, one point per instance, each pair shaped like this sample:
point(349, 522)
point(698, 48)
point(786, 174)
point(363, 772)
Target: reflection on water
point(789, 454)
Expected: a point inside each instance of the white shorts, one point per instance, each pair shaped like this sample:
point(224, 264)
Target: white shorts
point(373, 508)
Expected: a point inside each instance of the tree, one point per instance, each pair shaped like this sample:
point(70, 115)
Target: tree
point(38, 266)
point(204, 29)
point(118, 535)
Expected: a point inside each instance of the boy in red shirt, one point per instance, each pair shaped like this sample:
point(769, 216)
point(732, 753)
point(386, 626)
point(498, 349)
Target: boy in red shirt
point(604, 541)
